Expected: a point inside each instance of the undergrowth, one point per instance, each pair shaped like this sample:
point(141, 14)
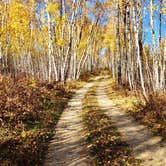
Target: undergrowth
point(151, 112)
point(29, 111)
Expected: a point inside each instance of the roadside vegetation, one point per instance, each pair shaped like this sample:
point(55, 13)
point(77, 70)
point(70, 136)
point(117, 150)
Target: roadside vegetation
point(151, 112)
point(29, 111)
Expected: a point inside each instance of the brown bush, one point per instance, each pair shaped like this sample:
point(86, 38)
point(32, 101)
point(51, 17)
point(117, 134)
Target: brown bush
point(153, 112)
point(19, 100)
point(29, 109)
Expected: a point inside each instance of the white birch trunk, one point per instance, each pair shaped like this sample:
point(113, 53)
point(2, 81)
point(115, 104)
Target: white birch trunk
point(155, 60)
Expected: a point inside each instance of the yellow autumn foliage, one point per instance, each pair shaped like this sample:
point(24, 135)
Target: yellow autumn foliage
point(17, 27)
point(52, 8)
point(60, 42)
point(164, 11)
point(23, 134)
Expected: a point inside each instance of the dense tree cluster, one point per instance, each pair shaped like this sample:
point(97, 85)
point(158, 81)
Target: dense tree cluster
point(130, 59)
point(52, 40)
point(57, 40)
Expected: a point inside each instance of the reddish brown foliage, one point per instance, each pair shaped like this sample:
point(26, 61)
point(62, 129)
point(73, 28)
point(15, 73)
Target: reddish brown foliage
point(19, 100)
point(28, 111)
point(153, 113)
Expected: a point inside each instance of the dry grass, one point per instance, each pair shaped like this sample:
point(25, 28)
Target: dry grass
point(151, 112)
point(121, 96)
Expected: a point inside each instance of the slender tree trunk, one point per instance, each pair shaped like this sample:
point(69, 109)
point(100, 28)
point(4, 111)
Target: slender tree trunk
point(136, 11)
point(155, 60)
point(118, 45)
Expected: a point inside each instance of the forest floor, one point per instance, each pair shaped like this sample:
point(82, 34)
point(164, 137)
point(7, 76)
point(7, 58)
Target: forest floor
point(29, 112)
point(94, 130)
point(92, 122)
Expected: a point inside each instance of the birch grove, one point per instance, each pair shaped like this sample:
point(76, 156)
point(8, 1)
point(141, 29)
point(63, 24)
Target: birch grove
point(138, 65)
point(52, 40)
point(59, 40)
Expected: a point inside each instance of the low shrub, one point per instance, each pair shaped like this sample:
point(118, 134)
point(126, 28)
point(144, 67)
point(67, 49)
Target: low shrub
point(29, 110)
point(153, 112)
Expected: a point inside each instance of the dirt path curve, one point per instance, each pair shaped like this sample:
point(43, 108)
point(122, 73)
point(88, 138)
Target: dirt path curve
point(146, 147)
point(67, 147)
